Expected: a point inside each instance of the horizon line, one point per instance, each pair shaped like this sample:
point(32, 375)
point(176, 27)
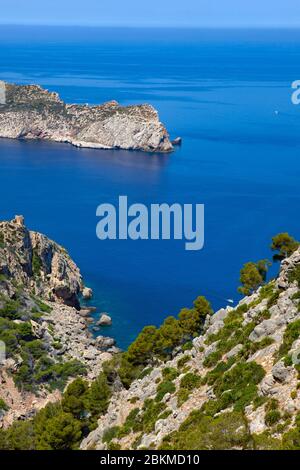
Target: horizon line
point(151, 26)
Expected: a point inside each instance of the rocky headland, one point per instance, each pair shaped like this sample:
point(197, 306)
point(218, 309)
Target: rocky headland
point(31, 112)
point(42, 324)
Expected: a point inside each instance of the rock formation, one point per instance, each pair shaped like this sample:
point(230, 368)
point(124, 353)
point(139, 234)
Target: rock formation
point(37, 263)
point(104, 320)
point(31, 112)
point(40, 287)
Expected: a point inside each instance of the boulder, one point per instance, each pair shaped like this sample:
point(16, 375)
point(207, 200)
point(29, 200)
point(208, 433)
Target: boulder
point(87, 293)
point(265, 328)
point(280, 372)
point(234, 351)
point(104, 320)
point(104, 343)
point(177, 141)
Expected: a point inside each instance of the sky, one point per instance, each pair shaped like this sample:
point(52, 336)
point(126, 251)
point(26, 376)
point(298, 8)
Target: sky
point(185, 13)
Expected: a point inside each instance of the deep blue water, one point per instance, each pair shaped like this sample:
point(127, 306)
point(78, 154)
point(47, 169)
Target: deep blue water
point(219, 90)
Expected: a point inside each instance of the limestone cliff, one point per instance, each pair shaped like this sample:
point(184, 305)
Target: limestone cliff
point(237, 387)
point(31, 112)
point(44, 337)
point(37, 263)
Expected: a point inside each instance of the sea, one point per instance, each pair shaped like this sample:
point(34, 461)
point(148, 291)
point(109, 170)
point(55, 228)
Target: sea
point(227, 93)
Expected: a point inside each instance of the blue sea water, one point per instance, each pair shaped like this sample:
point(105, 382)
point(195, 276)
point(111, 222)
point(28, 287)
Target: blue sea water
point(227, 93)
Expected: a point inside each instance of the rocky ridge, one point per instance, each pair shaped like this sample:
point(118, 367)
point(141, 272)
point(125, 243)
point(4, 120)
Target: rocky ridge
point(40, 287)
point(31, 112)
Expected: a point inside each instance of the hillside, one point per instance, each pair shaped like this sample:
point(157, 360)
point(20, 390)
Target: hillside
point(236, 387)
point(201, 381)
point(44, 337)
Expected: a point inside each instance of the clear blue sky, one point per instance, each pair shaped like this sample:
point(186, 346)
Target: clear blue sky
point(152, 12)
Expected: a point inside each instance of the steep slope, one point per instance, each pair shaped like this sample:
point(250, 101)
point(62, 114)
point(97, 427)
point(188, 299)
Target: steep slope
point(30, 112)
point(38, 264)
point(44, 339)
point(236, 387)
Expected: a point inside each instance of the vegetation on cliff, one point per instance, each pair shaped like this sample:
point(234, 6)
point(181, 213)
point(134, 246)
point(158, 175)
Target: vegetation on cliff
point(199, 381)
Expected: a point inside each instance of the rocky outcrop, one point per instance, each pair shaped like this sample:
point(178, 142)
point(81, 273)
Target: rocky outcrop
point(104, 320)
point(31, 112)
point(264, 331)
point(87, 293)
point(40, 286)
point(37, 263)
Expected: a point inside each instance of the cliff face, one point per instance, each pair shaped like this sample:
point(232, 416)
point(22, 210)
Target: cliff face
point(237, 387)
point(38, 264)
point(30, 112)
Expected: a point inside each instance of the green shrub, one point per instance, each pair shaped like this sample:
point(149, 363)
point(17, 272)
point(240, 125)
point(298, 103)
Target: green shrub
point(200, 432)
point(291, 333)
point(10, 309)
point(291, 439)
point(264, 441)
point(74, 398)
point(295, 275)
point(237, 387)
point(159, 343)
point(273, 299)
point(252, 276)
point(99, 396)
point(114, 446)
point(163, 388)
point(272, 417)
point(3, 405)
point(212, 359)
point(145, 372)
point(169, 373)
point(36, 264)
point(272, 405)
point(183, 361)
point(187, 346)
point(43, 307)
point(251, 348)
point(2, 243)
point(132, 423)
point(110, 434)
point(151, 413)
point(215, 375)
point(188, 383)
point(284, 244)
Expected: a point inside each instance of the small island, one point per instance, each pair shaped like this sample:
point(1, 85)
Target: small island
point(31, 112)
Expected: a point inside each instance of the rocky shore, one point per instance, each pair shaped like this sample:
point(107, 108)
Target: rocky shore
point(31, 112)
point(40, 288)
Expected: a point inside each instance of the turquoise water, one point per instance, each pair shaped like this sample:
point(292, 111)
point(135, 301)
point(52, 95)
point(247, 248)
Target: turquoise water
point(219, 90)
